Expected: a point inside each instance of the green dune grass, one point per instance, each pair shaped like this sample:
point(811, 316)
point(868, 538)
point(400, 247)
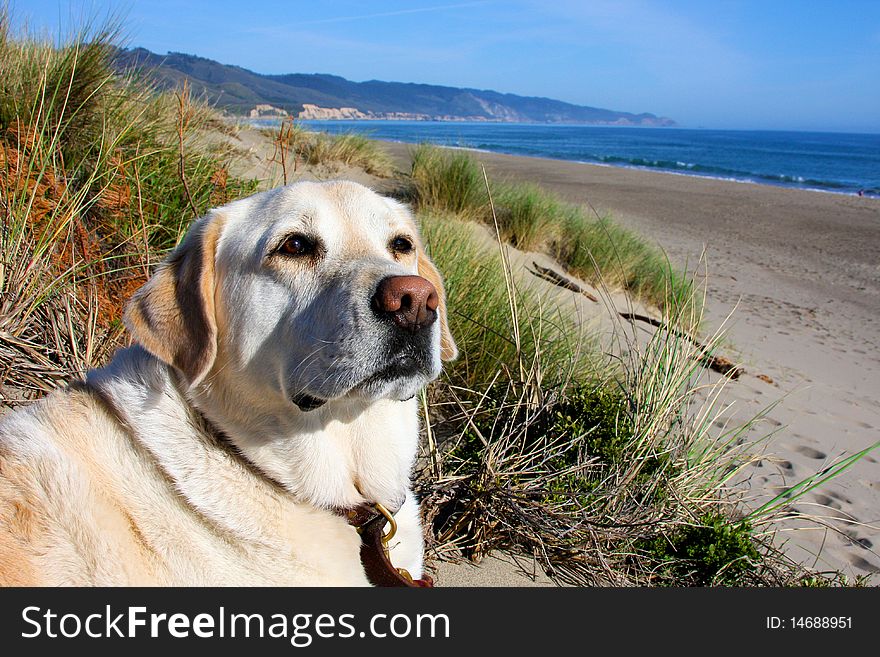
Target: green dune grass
point(532, 219)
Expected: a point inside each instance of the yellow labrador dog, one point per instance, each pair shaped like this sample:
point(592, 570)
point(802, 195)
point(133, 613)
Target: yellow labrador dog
point(269, 396)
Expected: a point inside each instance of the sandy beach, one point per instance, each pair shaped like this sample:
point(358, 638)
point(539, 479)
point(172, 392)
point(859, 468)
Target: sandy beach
point(800, 270)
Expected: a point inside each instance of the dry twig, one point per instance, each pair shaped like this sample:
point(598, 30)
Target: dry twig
point(185, 113)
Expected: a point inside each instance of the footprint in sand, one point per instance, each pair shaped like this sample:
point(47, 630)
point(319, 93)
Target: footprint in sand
point(810, 453)
point(858, 562)
point(824, 500)
point(861, 542)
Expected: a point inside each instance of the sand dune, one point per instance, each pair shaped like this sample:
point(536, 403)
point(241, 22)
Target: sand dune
point(801, 271)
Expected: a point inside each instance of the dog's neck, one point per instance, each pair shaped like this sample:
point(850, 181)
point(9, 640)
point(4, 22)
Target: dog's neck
point(341, 455)
point(346, 453)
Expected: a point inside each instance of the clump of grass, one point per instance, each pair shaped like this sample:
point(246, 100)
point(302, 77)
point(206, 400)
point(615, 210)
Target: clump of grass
point(294, 144)
point(601, 251)
point(530, 218)
point(168, 172)
point(99, 174)
point(490, 341)
point(64, 89)
point(591, 477)
point(51, 175)
point(350, 149)
point(448, 181)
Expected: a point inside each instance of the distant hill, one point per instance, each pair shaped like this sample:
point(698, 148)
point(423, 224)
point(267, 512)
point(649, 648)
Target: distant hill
point(244, 92)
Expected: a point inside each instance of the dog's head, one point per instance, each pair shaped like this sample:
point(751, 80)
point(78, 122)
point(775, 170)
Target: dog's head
point(307, 293)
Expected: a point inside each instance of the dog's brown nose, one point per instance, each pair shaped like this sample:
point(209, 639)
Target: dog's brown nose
point(410, 301)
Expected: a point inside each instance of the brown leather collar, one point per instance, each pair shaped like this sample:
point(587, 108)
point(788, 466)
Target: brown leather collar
point(370, 523)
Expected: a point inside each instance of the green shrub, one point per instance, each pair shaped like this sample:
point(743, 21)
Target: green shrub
point(599, 414)
point(716, 551)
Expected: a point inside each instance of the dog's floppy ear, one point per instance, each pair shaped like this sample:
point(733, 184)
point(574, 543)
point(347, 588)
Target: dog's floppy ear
point(173, 314)
point(427, 270)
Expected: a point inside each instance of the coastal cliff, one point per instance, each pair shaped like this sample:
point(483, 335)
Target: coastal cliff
point(320, 96)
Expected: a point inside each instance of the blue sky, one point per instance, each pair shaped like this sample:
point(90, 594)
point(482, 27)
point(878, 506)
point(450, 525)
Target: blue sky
point(760, 64)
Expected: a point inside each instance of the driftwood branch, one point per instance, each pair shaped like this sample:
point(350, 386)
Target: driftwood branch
point(719, 364)
point(549, 275)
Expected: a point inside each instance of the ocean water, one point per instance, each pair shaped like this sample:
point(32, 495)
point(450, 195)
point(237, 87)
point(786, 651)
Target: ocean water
point(831, 162)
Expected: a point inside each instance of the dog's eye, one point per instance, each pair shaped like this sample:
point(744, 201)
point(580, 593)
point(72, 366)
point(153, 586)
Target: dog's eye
point(297, 245)
point(401, 245)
